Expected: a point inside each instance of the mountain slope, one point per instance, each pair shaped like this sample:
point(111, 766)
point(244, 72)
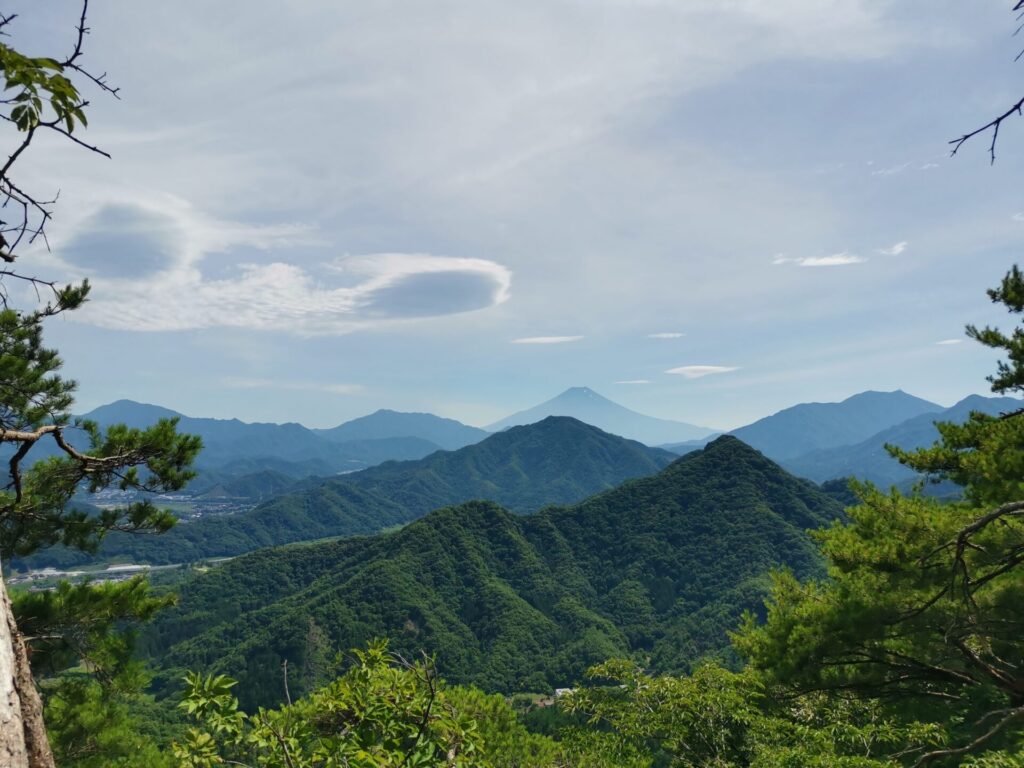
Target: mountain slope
point(591, 408)
point(815, 426)
point(444, 433)
point(556, 461)
point(868, 459)
point(662, 565)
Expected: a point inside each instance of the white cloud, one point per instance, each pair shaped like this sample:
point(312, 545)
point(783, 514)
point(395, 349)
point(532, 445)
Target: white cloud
point(546, 339)
point(233, 382)
point(835, 260)
point(633, 381)
point(948, 342)
point(699, 371)
point(666, 335)
point(187, 289)
point(894, 250)
point(1018, 217)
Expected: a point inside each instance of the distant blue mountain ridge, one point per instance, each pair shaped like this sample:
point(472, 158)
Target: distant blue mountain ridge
point(868, 459)
point(819, 441)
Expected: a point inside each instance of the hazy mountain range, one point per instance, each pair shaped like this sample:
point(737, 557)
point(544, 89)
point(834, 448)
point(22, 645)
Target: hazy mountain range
point(588, 406)
point(444, 433)
point(381, 436)
point(818, 440)
point(869, 460)
point(813, 426)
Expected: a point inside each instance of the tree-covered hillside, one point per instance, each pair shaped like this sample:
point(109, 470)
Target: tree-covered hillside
point(556, 461)
point(661, 567)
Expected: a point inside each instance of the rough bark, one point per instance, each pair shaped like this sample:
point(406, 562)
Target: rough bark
point(23, 742)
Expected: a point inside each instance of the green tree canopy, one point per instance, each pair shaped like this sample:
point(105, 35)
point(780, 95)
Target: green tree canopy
point(43, 94)
point(923, 609)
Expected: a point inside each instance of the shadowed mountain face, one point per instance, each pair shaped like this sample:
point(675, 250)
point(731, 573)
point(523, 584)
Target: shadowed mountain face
point(661, 565)
point(586, 405)
point(868, 459)
point(556, 461)
point(814, 426)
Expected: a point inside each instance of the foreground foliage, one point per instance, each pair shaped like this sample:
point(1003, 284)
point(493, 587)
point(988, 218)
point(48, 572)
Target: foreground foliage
point(384, 712)
point(720, 718)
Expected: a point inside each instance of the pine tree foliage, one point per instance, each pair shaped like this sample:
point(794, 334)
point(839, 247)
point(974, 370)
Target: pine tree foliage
point(43, 95)
point(923, 608)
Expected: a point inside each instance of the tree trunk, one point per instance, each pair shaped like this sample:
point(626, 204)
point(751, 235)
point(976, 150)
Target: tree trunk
point(23, 742)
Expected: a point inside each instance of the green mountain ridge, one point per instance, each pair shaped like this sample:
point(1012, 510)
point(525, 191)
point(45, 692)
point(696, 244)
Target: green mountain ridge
point(661, 566)
point(556, 461)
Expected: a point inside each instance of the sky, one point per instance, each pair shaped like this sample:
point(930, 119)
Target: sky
point(706, 210)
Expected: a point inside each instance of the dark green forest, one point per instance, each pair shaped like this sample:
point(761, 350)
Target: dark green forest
point(658, 569)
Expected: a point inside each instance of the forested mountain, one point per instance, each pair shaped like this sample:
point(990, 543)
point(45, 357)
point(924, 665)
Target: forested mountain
point(661, 566)
point(868, 460)
point(812, 426)
point(588, 406)
point(444, 433)
point(556, 461)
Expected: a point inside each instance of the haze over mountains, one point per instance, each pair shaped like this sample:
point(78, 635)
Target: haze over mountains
point(869, 460)
point(814, 426)
point(663, 564)
point(588, 406)
point(292, 449)
point(819, 440)
point(444, 433)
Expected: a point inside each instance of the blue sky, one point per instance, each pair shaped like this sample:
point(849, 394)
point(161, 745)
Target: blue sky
point(706, 210)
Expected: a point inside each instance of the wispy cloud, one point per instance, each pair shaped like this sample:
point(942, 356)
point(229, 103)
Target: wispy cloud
point(835, 260)
point(948, 342)
point(895, 249)
point(235, 382)
point(633, 381)
point(699, 371)
point(546, 339)
point(891, 170)
point(666, 335)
